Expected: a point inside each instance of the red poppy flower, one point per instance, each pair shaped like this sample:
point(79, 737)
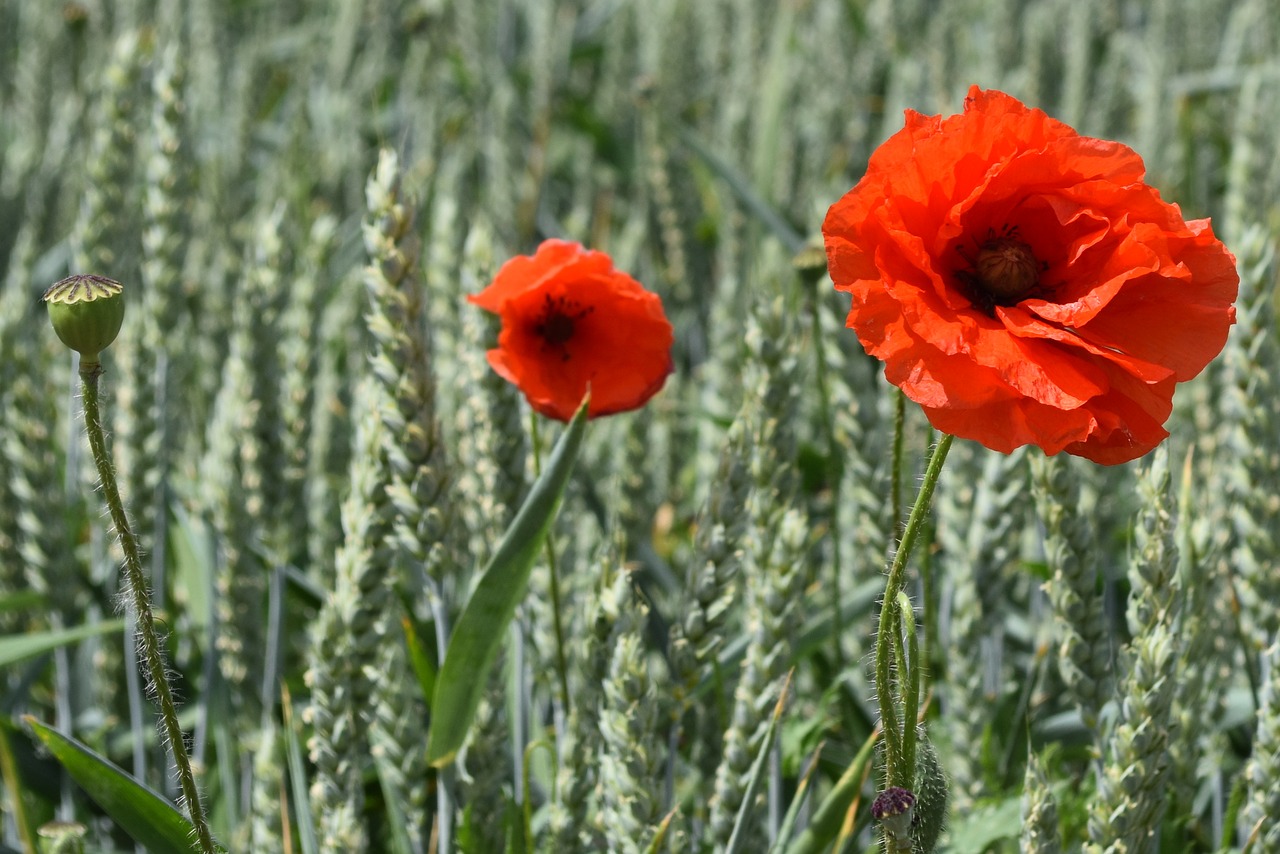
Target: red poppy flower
point(1023, 285)
point(569, 321)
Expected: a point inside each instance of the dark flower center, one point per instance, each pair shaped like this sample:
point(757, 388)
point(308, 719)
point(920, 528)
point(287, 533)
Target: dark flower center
point(1006, 268)
point(1003, 272)
point(556, 323)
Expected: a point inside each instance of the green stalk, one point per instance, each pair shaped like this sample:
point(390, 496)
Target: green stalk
point(135, 587)
point(910, 685)
point(897, 772)
point(562, 664)
point(895, 486)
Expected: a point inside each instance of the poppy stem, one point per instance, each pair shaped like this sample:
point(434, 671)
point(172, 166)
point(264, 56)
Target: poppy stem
point(139, 601)
point(562, 665)
point(889, 641)
point(895, 486)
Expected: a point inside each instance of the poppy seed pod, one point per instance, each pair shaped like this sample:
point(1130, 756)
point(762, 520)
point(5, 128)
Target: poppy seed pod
point(86, 312)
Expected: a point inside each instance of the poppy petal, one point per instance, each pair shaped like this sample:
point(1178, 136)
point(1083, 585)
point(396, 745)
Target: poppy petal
point(1081, 356)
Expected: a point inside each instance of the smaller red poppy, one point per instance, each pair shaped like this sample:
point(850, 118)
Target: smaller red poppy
point(571, 321)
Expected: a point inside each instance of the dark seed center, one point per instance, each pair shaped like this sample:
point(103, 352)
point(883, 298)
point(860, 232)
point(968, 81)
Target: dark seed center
point(1006, 269)
point(558, 322)
point(557, 328)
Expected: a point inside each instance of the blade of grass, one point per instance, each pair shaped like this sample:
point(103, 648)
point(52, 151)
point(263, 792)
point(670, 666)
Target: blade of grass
point(15, 648)
point(793, 811)
point(391, 799)
point(21, 600)
point(149, 819)
point(13, 787)
point(421, 657)
point(825, 824)
point(483, 624)
point(297, 776)
point(742, 187)
point(655, 845)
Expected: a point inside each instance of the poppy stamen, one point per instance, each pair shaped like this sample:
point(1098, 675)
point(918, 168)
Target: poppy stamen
point(558, 321)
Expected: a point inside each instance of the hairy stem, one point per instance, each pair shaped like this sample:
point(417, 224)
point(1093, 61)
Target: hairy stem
point(897, 771)
point(135, 586)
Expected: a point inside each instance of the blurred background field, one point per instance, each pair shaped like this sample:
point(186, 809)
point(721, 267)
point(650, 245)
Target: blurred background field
point(222, 160)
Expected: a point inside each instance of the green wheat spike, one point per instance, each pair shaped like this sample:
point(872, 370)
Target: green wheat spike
point(1262, 799)
point(147, 422)
point(1084, 654)
point(261, 831)
point(241, 470)
point(104, 240)
point(773, 544)
point(1250, 410)
point(980, 511)
point(302, 355)
point(631, 756)
point(1040, 832)
point(489, 418)
point(578, 780)
point(354, 622)
point(486, 773)
point(774, 587)
point(329, 451)
point(1133, 788)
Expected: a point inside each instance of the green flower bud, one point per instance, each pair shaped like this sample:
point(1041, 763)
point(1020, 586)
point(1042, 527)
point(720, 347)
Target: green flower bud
point(86, 312)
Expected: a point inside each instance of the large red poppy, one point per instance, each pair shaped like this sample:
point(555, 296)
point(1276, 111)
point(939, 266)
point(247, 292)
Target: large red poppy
point(1024, 286)
point(569, 321)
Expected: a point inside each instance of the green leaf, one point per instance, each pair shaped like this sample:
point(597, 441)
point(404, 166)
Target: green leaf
point(149, 819)
point(740, 824)
point(824, 827)
point(15, 648)
point(391, 799)
point(983, 826)
point(421, 657)
point(660, 837)
point(192, 547)
point(21, 600)
point(746, 193)
point(16, 804)
point(483, 624)
point(797, 800)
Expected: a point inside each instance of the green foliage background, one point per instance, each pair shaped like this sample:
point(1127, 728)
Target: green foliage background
point(319, 461)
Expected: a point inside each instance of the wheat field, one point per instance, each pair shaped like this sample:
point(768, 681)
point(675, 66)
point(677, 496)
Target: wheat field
point(319, 464)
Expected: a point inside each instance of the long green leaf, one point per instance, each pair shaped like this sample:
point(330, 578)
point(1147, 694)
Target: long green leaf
point(298, 777)
point(21, 600)
point(421, 658)
point(483, 624)
point(825, 824)
point(15, 648)
point(16, 805)
point(793, 811)
point(149, 819)
point(397, 821)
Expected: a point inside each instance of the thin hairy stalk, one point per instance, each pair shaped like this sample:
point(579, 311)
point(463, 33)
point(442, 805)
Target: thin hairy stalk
point(895, 485)
point(135, 586)
point(897, 772)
